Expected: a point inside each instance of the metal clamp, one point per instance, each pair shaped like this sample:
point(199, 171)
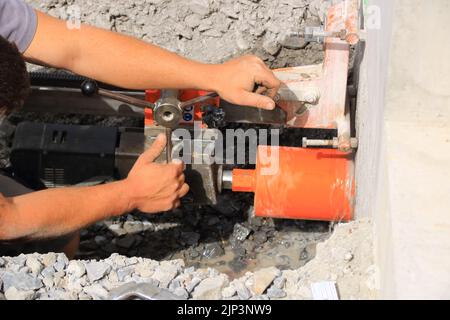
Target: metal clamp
point(141, 291)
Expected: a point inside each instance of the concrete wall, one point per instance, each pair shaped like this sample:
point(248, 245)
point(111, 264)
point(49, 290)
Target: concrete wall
point(403, 163)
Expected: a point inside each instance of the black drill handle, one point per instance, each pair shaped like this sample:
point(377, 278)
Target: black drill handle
point(89, 87)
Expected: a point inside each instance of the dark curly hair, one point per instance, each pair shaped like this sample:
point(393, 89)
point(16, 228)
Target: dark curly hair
point(14, 79)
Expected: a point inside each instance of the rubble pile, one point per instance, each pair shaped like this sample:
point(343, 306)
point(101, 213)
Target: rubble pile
point(346, 258)
point(207, 30)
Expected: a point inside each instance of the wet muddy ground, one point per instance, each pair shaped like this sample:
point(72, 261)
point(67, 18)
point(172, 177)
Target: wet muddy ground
point(226, 237)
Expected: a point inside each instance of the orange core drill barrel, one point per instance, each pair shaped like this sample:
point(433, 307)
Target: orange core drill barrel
point(298, 183)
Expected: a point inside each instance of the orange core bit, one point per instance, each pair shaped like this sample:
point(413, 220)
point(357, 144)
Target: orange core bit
point(298, 183)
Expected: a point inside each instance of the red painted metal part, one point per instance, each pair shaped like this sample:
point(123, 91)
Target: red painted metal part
point(190, 114)
point(327, 82)
point(309, 184)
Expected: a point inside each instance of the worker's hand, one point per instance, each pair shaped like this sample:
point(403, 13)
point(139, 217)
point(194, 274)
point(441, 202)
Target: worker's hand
point(237, 78)
point(154, 187)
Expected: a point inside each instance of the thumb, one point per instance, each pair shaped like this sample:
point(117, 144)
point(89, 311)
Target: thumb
point(154, 151)
point(256, 100)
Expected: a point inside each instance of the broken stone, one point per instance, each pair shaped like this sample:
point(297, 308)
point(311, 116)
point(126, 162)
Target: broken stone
point(210, 288)
point(35, 265)
point(213, 33)
point(213, 250)
point(112, 276)
point(145, 269)
point(97, 270)
point(275, 293)
point(228, 292)
point(19, 260)
point(240, 232)
point(263, 279)
point(59, 280)
point(230, 11)
point(271, 46)
point(13, 294)
point(61, 262)
point(74, 285)
point(241, 43)
point(181, 292)
point(193, 20)
point(49, 259)
point(279, 282)
point(48, 272)
point(259, 238)
point(126, 242)
point(147, 225)
point(84, 296)
point(133, 226)
point(242, 291)
point(48, 282)
point(176, 283)
point(99, 240)
point(165, 275)
point(194, 282)
point(117, 229)
point(96, 291)
point(76, 268)
point(2, 262)
point(20, 281)
point(124, 272)
point(190, 238)
point(200, 7)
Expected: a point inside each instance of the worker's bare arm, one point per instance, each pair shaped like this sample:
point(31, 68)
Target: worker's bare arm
point(130, 63)
point(55, 212)
point(150, 187)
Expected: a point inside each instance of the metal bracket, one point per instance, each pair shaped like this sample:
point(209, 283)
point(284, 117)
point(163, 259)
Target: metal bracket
point(142, 291)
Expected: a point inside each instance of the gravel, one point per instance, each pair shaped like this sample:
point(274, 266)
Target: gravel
point(85, 279)
point(207, 30)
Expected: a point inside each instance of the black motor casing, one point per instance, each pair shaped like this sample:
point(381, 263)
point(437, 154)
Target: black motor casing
point(51, 155)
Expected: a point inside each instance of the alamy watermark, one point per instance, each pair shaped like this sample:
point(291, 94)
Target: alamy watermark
point(233, 147)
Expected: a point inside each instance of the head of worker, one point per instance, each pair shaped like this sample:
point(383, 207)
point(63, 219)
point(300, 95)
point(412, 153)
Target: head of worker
point(14, 80)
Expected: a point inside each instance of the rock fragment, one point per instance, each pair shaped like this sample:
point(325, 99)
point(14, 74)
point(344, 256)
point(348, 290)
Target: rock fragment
point(210, 288)
point(14, 294)
point(263, 279)
point(97, 270)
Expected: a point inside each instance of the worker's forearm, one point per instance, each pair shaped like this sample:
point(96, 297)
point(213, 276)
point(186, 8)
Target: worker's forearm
point(127, 62)
point(60, 211)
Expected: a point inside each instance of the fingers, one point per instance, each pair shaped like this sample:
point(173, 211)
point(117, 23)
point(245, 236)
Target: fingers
point(256, 100)
point(154, 151)
point(261, 90)
point(179, 165)
point(183, 190)
point(181, 180)
point(269, 81)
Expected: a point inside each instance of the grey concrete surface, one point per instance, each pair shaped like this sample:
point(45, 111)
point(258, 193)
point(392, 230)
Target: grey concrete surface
point(404, 130)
